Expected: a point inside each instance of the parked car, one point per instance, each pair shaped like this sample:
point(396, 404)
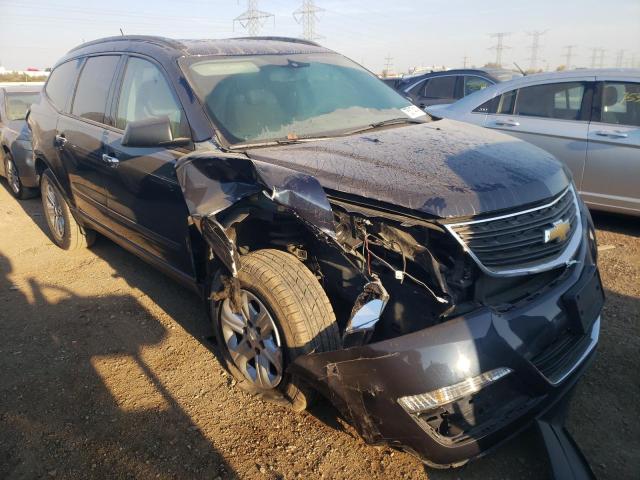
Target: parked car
point(442, 295)
point(589, 119)
point(16, 155)
point(438, 88)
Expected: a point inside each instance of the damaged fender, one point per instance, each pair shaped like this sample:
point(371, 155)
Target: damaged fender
point(211, 183)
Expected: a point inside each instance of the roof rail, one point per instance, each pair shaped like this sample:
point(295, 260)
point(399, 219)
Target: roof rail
point(281, 39)
point(129, 38)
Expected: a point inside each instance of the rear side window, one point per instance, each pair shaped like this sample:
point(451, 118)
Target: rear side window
point(90, 100)
point(621, 103)
point(61, 82)
point(507, 101)
point(440, 87)
point(555, 100)
point(473, 84)
point(145, 93)
point(487, 107)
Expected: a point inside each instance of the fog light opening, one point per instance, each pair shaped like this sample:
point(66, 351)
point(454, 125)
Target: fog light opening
point(414, 404)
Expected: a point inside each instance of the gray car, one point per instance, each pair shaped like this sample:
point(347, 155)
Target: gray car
point(589, 119)
point(16, 153)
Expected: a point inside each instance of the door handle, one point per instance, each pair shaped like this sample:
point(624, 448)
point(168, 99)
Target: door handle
point(60, 141)
point(604, 133)
point(507, 123)
point(110, 161)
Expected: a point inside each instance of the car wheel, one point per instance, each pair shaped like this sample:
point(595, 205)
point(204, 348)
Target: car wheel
point(65, 231)
point(18, 190)
point(284, 313)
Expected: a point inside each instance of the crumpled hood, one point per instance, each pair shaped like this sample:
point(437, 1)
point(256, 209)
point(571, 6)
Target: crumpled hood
point(445, 168)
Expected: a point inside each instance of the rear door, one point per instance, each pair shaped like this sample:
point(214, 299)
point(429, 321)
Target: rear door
point(81, 135)
point(439, 90)
point(144, 198)
point(612, 172)
point(552, 115)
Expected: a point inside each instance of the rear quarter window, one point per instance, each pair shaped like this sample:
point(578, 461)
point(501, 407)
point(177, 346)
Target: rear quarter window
point(59, 87)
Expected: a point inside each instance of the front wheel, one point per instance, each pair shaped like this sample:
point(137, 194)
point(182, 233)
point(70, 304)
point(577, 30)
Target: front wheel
point(65, 231)
point(284, 313)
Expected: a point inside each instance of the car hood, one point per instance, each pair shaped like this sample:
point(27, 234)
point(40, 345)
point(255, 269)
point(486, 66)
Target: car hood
point(444, 169)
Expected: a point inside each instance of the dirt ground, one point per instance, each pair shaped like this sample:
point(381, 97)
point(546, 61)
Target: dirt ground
point(107, 371)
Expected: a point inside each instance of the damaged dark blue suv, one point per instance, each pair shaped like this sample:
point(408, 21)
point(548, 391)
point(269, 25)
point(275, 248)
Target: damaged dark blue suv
point(435, 281)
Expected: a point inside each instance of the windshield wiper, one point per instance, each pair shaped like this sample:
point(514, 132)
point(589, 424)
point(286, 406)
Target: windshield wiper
point(384, 123)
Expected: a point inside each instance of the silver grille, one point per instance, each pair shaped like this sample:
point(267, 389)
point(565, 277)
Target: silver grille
point(526, 241)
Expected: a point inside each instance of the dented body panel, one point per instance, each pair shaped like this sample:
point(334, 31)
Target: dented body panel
point(365, 382)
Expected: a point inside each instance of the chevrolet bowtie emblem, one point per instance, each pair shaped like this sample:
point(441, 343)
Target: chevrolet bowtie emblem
point(559, 231)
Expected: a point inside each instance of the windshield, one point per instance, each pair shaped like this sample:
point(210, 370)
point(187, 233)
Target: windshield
point(19, 103)
point(267, 98)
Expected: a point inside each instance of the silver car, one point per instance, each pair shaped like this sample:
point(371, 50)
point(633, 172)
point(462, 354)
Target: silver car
point(590, 119)
point(16, 153)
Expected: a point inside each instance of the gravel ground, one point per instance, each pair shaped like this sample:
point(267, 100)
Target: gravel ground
point(107, 371)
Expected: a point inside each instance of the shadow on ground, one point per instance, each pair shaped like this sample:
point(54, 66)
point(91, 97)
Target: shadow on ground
point(78, 399)
point(617, 223)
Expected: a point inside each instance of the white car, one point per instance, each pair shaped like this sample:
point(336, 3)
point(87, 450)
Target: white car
point(590, 119)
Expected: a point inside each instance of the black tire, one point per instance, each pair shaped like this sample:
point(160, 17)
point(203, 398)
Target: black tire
point(301, 311)
point(67, 235)
point(17, 189)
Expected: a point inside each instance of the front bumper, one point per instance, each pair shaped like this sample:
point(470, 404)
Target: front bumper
point(536, 340)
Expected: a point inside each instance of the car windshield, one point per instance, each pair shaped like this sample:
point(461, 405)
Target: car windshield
point(19, 102)
point(269, 98)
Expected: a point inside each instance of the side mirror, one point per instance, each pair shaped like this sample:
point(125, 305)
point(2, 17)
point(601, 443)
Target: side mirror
point(151, 132)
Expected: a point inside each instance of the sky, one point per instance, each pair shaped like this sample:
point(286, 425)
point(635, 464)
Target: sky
point(35, 33)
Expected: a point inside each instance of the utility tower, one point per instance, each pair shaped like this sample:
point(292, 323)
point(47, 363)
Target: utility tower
point(387, 65)
point(465, 61)
point(307, 15)
point(252, 19)
point(535, 47)
point(601, 57)
point(568, 55)
point(499, 47)
point(619, 58)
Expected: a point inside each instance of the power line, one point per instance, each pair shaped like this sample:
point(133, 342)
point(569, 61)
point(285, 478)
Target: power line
point(307, 15)
point(253, 19)
point(535, 47)
point(568, 55)
point(499, 47)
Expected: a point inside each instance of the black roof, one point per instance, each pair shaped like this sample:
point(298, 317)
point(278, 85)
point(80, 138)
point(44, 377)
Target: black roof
point(189, 47)
point(499, 74)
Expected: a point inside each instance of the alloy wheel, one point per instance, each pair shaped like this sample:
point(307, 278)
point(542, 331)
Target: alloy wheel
point(12, 176)
point(253, 341)
point(54, 212)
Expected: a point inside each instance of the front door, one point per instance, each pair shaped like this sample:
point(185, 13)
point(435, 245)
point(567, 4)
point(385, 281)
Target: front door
point(612, 173)
point(144, 198)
